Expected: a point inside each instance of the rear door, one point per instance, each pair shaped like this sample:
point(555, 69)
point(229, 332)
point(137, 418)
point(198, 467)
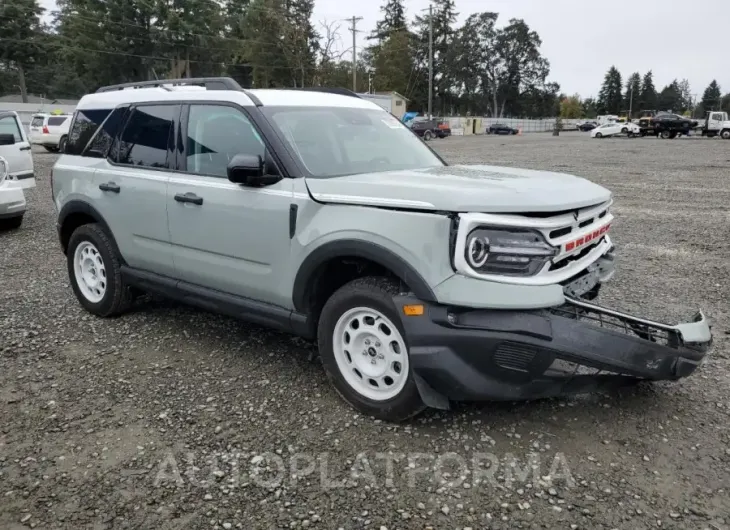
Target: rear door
point(131, 182)
point(17, 155)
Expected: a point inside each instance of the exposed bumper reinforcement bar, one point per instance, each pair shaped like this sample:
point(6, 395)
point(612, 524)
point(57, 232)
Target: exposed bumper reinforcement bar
point(465, 354)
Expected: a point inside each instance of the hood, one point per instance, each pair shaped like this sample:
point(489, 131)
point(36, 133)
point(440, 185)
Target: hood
point(486, 189)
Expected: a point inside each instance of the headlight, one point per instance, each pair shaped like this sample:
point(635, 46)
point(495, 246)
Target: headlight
point(507, 252)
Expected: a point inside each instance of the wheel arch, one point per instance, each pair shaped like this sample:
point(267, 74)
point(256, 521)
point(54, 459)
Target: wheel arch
point(320, 259)
point(76, 213)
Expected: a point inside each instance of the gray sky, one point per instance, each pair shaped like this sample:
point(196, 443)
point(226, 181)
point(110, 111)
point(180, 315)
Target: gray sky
point(583, 38)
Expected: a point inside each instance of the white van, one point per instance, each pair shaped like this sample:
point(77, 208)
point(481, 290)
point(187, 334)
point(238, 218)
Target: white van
point(50, 130)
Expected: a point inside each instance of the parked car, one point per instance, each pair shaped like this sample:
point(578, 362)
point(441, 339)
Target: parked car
point(15, 149)
point(16, 170)
point(50, 130)
point(587, 126)
point(324, 216)
point(12, 199)
point(501, 128)
point(613, 129)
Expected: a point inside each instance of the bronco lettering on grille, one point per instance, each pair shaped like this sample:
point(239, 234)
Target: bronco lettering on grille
point(587, 238)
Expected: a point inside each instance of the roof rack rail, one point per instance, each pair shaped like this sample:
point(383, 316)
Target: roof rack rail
point(330, 90)
point(210, 83)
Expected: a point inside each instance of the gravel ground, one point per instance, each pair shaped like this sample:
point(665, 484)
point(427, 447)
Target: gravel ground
point(169, 417)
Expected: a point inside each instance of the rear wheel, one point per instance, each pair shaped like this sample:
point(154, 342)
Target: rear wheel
point(599, 135)
point(665, 135)
point(50, 149)
point(364, 350)
point(427, 135)
point(62, 144)
point(94, 269)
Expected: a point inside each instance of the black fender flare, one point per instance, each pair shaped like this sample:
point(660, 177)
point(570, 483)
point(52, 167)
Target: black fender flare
point(78, 206)
point(357, 249)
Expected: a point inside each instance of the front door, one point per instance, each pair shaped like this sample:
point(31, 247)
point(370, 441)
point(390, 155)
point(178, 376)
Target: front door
point(17, 155)
point(227, 236)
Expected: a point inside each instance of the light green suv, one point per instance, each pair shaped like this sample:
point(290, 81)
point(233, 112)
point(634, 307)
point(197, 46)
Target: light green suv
point(316, 212)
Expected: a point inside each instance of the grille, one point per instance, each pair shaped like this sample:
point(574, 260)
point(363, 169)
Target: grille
point(514, 356)
point(621, 322)
point(564, 231)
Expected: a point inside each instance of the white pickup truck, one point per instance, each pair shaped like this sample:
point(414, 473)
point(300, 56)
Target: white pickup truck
point(717, 123)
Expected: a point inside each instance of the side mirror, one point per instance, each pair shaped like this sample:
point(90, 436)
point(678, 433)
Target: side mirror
point(7, 139)
point(250, 170)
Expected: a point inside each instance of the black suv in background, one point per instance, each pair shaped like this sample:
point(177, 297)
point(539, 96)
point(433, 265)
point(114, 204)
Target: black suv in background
point(501, 128)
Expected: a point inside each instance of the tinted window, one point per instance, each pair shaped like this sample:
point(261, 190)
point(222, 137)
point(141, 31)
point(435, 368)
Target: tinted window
point(37, 121)
point(56, 120)
point(8, 125)
point(84, 126)
point(215, 135)
point(146, 137)
point(105, 136)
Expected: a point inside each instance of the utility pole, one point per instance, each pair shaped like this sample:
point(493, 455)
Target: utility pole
point(354, 21)
point(430, 61)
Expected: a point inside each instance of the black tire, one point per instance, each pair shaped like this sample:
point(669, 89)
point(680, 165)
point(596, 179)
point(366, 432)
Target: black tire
point(375, 293)
point(12, 223)
point(62, 144)
point(599, 135)
point(625, 130)
point(427, 135)
point(50, 149)
point(673, 135)
point(117, 296)
point(665, 135)
point(725, 134)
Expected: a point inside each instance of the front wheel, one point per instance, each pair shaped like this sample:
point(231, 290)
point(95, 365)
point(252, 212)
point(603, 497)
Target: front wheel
point(725, 135)
point(364, 350)
point(95, 272)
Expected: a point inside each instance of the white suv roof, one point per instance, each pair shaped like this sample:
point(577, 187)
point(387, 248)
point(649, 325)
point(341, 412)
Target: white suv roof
point(219, 89)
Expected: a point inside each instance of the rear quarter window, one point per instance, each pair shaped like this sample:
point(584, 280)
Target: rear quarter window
point(58, 120)
point(83, 127)
point(37, 121)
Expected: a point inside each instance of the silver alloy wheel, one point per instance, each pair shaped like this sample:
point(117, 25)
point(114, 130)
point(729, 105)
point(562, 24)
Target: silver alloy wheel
point(90, 272)
point(370, 353)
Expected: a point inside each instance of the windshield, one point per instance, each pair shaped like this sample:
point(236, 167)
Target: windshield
point(334, 141)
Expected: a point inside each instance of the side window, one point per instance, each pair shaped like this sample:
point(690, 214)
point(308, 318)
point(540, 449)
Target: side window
point(9, 125)
point(37, 121)
point(215, 134)
point(147, 135)
point(56, 120)
point(717, 116)
point(84, 126)
point(105, 136)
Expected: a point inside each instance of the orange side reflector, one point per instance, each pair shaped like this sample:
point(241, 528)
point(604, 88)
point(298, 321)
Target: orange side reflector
point(413, 310)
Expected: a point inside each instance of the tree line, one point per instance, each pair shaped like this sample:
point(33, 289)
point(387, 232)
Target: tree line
point(484, 66)
point(639, 94)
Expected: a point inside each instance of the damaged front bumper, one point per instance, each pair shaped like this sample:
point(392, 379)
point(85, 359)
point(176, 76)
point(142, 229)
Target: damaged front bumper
point(467, 354)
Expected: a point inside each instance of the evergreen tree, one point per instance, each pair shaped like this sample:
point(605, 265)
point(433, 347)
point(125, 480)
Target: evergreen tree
point(649, 97)
point(19, 38)
point(670, 98)
point(711, 98)
point(394, 19)
point(633, 92)
point(610, 98)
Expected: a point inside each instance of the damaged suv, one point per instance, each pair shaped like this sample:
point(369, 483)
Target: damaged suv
point(318, 213)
